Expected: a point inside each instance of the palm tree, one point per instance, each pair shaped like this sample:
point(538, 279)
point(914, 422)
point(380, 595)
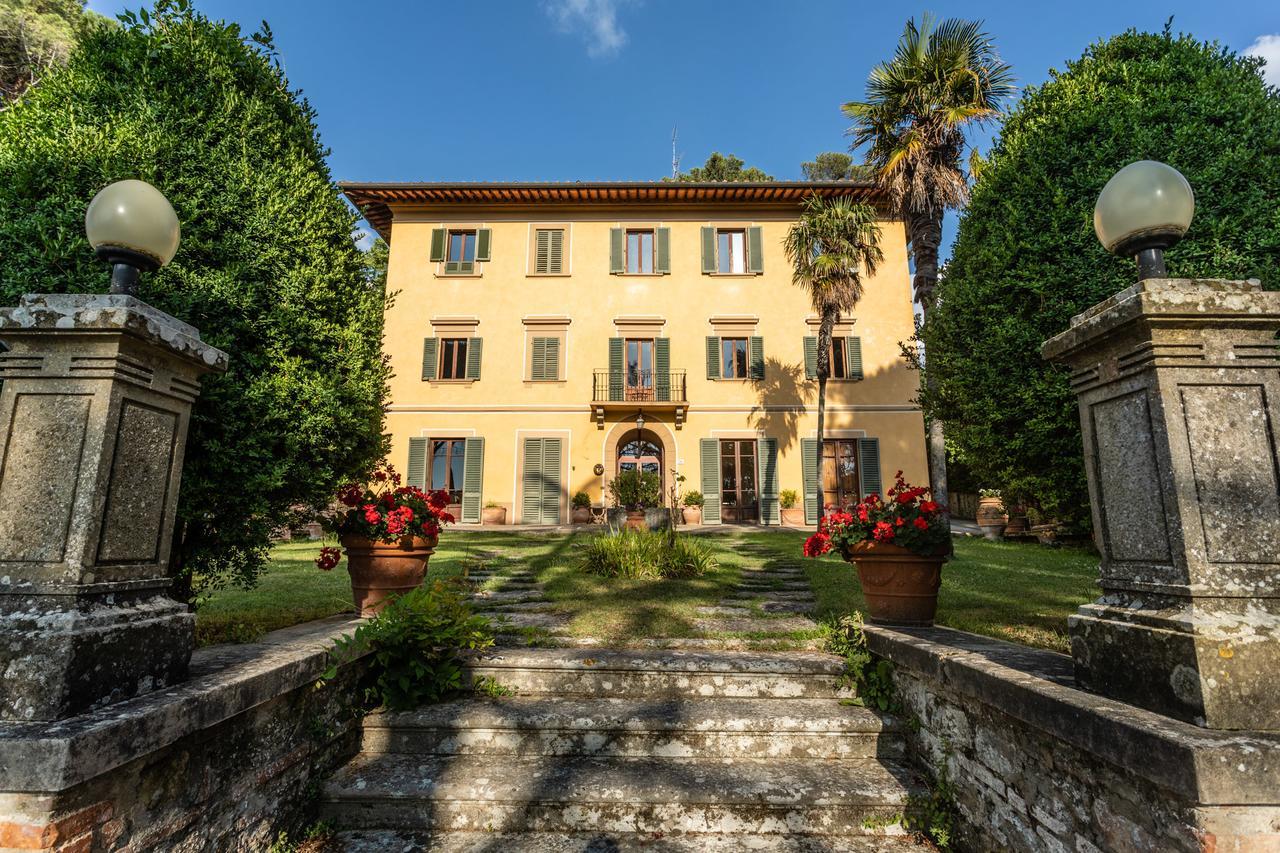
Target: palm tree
point(830, 246)
point(943, 79)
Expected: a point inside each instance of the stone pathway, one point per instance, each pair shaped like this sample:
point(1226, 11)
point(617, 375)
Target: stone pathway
point(508, 592)
point(773, 598)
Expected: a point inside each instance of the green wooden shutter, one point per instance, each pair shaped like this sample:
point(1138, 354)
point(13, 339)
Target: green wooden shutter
point(531, 482)
point(662, 369)
point(542, 250)
point(474, 346)
point(810, 358)
point(809, 463)
point(615, 251)
point(430, 346)
point(551, 456)
point(484, 237)
point(853, 355)
point(869, 466)
point(538, 367)
point(416, 471)
point(767, 453)
point(437, 245)
point(710, 453)
point(757, 358)
point(713, 358)
point(555, 251)
point(755, 250)
point(664, 251)
point(708, 249)
point(615, 370)
point(472, 479)
point(552, 366)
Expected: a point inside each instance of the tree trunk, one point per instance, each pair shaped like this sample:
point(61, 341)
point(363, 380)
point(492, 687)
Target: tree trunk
point(824, 369)
point(926, 236)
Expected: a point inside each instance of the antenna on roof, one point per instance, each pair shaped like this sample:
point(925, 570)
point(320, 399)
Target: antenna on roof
point(675, 158)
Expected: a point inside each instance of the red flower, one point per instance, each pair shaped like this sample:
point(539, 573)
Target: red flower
point(920, 523)
point(928, 507)
point(862, 512)
point(328, 558)
point(883, 532)
point(817, 545)
point(350, 495)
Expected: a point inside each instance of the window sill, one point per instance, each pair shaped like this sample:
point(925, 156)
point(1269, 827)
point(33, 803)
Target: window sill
point(452, 381)
point(640, 274)
point(547, 274)
point(546, 382)
point(459, 275)
point(734, 274)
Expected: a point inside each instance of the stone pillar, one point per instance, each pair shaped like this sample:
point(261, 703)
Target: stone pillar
point(1179, 391)
point(94, 410)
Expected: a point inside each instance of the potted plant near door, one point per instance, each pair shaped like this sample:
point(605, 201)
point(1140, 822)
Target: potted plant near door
point(991, 516)
point(898, 544)
point(389, 532)
point(634, 491)
point(791, 515)
point(692, 512)
point(581, 508)
point(493, 513)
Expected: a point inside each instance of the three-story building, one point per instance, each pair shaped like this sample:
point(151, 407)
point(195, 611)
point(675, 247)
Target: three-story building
point(545, 336)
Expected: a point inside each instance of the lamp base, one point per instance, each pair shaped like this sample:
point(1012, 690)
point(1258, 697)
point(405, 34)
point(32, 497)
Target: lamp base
point(127, 267)
point(1151, 264)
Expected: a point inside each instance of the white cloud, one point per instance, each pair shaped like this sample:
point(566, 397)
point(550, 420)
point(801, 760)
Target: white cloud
point(596, 21)
point(1268, 47)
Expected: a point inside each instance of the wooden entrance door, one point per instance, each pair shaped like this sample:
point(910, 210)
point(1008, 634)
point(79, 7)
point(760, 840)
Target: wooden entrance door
point(840, 473)
point(739, 498)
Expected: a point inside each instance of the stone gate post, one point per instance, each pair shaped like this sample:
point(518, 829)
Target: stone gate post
point(1179, 391)
point(94, 408)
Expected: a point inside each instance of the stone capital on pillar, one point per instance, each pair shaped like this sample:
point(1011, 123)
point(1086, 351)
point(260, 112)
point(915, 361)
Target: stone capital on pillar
point(1179, 390)
point(94, 409)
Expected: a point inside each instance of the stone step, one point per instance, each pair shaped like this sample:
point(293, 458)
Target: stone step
point(785, 729)
point(635, 795)
point(754, 625)
point(772, 595)
point(391, 841)
point(531, 605)
point(662, 673)
point(514, 596)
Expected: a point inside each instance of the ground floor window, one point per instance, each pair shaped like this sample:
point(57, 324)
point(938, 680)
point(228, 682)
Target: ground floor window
point(447, 457)
point(738, 498)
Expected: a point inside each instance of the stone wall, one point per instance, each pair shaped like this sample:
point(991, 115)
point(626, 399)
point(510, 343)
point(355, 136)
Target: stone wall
point(223, 762)
point(1036, 764)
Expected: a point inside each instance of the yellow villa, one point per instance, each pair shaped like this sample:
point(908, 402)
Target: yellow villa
point(545, 336)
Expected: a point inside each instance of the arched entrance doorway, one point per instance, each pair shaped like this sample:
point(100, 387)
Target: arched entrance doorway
point(637, 452)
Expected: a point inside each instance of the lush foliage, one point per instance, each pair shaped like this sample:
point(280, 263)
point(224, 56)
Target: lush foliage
point(1026, 258)
point(36, 36)
point(415, 647)
point(869, 676)
point(835, 166)
point(723, 167)
point(636, 489)
point(267, 270)
point(788, 498)
point(581, 500)
point(905, 517)
point(694, 498)
point(645, 554)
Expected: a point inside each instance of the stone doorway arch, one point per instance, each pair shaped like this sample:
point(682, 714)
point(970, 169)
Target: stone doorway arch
point(625, 433)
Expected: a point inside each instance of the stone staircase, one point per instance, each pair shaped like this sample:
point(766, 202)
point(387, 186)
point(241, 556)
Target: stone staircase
point(631, 750)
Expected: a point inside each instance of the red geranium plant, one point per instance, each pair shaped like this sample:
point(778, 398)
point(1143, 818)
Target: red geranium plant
point(385, 511)
point(905, 517)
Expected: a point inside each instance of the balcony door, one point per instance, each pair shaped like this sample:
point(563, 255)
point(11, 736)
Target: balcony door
point(639, 369)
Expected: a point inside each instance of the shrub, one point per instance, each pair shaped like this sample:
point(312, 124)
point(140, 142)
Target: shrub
point(415, 647)
point(694, 498)
point(582, 500)
point(787, 498)
point(635, 489)
point(645, 554)
point(1026, 259)
point(267, 270)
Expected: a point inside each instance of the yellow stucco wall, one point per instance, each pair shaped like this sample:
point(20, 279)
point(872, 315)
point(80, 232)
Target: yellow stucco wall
point(504, 405)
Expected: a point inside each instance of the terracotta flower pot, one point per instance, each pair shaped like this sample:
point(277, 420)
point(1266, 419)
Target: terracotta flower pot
point(992, 518)
point(692, 514)
point(582, 515)
point(382, 570)
point(635, 520)
point(901, 587)
point(793, 516)
point(493, 515)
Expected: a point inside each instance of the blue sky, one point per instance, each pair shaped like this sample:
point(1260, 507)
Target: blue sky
point(591, 89)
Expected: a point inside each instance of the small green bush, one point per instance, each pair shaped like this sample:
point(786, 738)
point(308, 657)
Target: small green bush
point(636, 489)
point(694, 498)
point(645, 554)
point(581, 500)
point(415, 646)
point(788, 498)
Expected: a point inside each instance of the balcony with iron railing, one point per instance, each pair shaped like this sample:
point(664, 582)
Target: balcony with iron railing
point(639, 389)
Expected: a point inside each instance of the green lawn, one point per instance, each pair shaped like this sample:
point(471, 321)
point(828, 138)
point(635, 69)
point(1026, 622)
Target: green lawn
point(1020, 592)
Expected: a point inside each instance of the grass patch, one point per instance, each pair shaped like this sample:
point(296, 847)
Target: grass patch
point(645, 554)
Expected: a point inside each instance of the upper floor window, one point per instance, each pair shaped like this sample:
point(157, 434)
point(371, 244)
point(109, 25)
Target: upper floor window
point(640, 251)
point(733, 358)
point(731, 251)
point(453, 358)
point(460, 249)
point(548, 252)
point(839, 359)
